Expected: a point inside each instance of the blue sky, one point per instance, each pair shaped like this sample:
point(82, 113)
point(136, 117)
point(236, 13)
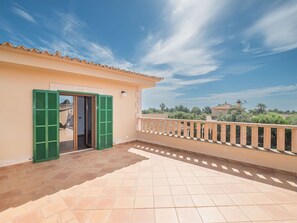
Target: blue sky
point(208, 52)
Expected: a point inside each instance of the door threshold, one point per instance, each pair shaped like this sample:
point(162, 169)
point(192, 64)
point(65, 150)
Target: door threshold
point(77, 151)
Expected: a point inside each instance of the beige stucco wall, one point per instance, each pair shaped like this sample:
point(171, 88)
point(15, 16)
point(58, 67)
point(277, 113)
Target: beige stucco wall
point(244, 155)
point(16, 85)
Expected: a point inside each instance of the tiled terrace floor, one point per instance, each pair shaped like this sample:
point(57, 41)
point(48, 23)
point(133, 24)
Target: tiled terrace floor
point(142, 183)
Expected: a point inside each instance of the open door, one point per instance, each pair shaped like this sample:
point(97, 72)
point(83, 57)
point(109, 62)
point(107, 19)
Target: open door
point(104, 121)
point(45, 125)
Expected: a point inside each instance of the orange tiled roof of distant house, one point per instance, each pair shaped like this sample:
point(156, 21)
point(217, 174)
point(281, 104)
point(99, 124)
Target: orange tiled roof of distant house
point(222, 107)
point(58, 54)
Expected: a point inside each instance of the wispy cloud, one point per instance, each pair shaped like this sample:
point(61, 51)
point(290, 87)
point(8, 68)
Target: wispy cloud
point(70, 40)
point(183, 45)
point(277, 28)
point(247, 94)
point(20, 11)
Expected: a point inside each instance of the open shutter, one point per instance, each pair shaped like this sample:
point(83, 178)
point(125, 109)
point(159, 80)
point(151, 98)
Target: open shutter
point(45, 125)
point(104, 121)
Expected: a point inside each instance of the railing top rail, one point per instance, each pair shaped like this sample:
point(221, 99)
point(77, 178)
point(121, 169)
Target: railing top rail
point(223, 122)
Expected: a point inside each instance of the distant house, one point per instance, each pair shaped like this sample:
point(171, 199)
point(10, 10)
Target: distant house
point(222, 109)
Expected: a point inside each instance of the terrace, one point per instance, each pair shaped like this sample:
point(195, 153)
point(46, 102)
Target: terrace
point(141, 182)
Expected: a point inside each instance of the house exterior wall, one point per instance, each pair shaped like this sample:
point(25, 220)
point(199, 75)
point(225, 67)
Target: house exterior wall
point(16, 114)
point(218, 112)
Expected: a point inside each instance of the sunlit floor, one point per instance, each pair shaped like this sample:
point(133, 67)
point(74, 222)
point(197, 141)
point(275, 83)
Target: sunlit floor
point(141, 183)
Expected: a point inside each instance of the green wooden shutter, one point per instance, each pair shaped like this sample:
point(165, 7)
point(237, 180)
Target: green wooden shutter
point(104, 121)
point(45, 125)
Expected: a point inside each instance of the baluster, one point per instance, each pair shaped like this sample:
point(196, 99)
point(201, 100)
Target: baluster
point(198, 130)
point(232, 134)
point(243, 135)
point(169, 123)
point(267, 137)
point(255, 131)
point(280, 139)
point(223, 133)
point(206, 127)
point(191, 130)
point(178, 128)
point(294, 140)
point(185, 129)
point(214, 132)
point(173, 128)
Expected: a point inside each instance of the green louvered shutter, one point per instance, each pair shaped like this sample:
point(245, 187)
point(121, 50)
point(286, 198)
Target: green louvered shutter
point(45, 125)
point(104, 121)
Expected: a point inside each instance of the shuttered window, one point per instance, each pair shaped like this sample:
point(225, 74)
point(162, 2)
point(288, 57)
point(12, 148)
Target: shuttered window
point(104, 121)
point(45, 125)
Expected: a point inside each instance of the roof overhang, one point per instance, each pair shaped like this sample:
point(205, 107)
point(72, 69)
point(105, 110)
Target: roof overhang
point(21, 56)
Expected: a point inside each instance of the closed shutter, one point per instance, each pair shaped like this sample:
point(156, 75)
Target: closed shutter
point(45, 125)
point(104, 121)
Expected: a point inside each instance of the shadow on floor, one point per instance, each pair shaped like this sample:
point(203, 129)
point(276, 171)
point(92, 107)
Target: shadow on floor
point(251, 172)
point(26, 182)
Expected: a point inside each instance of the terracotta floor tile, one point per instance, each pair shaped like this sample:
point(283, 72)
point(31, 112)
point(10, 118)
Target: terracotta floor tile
point(166, 215)
point(211, 214)
point(30, 217)
point(175, 181)
point(196, 189)
point(221, 199)
point(202, 200)
point(143, 216)
point(144, 190)
point(255, 213)
point(163, 201)
point(124, 202)
point(233, 214)
point(241, 199)
point(277, 212)
point(188, 215)
point(259, 198)
point(291, 208)
point(160, 181)
point(179, 190)
point(190, 181)
point(213, 189)
point(144, 202)
point(162, 190)
point(99, 216)
point(104, 203)
point(120, 216)
point(183, 201)
point(53, 208)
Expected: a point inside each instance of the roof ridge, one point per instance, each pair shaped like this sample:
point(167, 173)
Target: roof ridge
point(66, 57)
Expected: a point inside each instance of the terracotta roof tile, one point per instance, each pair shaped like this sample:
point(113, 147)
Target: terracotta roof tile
point(58, 54)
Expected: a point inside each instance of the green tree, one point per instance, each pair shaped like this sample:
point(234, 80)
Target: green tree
point(260, 108)
point(206, 110)
point(196, 111)
point(236, 114)
point(292, 119)
point(270, 118)
point(162, 106)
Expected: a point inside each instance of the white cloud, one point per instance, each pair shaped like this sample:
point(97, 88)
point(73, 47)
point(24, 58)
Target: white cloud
point(18, 10)
point(183, 44)
point(277, 27)
point(169, 90)
point(70, 40)
point(247, 94)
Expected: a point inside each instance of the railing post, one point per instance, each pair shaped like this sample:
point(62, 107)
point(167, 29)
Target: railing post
point(198, 129)
point(185, 129)
point(243, 135)
point(191, 129)
point(232, 134)
point(169, 127)
point(267, 137)
point(205, 130)
point(280, 139)
point(223, 133)
point(294, 140)
point(214, 132)
point(255, 131)
point(178, 128)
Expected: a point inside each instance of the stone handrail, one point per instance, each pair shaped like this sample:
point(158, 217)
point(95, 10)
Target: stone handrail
point(275, 137)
